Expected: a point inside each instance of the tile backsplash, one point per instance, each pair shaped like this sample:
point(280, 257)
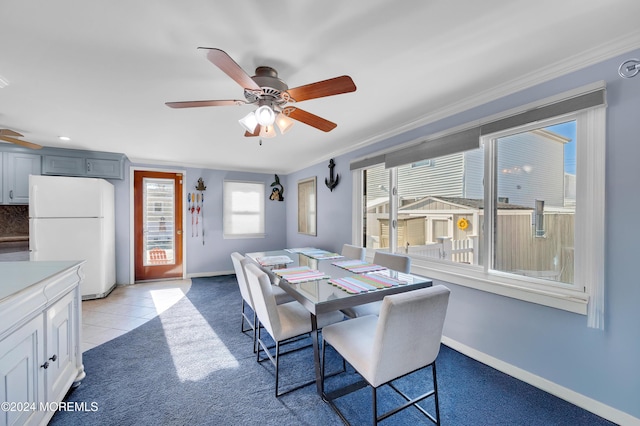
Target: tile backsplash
point(14, 222)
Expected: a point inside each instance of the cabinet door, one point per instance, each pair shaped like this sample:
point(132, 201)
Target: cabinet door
point(103, 168)
point(60, 348)
point(62, 166)
point(16, 176)
point(21, 374)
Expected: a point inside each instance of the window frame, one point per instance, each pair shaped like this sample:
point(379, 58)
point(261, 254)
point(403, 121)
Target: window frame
point(226, 209)
point(585, 296)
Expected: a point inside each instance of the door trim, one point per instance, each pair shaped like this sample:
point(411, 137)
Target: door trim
point(132, 254)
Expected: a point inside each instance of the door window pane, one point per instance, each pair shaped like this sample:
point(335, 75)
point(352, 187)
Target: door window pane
point(158, 215)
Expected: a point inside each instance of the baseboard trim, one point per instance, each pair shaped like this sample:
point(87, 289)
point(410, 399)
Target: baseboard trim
point(582, 401)
point(209, 274)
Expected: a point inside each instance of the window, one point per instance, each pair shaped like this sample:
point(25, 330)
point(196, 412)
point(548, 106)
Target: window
point(524, 210)
point(534, 233)
point(243, 209)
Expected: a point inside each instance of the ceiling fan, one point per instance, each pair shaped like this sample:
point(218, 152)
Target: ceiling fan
point(271, 95)
point(10, 136)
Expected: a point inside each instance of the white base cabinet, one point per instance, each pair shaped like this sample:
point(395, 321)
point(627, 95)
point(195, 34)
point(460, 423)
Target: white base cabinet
point(40, 353)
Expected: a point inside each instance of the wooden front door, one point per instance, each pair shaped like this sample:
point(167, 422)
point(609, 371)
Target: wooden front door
point(157, 225)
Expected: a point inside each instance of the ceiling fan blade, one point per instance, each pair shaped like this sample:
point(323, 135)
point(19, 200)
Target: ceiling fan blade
point(255, 132)
point(223, 61)
point(310, 119)
point(7, 132)
point(20, 142)
point(192, 104)
point(320, 89)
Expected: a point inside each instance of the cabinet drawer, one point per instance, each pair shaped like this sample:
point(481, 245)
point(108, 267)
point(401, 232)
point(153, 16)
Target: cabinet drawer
point(58, 165)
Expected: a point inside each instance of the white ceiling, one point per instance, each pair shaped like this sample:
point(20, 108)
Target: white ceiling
point(100, 71)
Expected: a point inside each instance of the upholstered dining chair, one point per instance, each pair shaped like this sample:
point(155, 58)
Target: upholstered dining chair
point(283, 322)
point(353, 252)
point(397, 262)
point(405, 338)
point(280, 295)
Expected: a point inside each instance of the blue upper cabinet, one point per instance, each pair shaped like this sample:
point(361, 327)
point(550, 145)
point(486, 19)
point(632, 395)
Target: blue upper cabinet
point(16, 169)
point(84, 163)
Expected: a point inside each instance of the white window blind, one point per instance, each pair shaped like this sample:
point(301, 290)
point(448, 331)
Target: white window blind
point(243, 209)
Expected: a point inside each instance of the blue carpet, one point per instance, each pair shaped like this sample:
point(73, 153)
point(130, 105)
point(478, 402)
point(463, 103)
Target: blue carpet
point(192, 366)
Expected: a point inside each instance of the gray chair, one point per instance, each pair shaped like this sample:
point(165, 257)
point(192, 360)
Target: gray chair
point(353, 252)
point(405, 338)
point(397, 262)
point(280, 295)
point(283, 322)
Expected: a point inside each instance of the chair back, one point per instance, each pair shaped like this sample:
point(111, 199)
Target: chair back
point(264, 301)
point(237, 260)
point(397, 262)
point(408, 332)
point(353, 252)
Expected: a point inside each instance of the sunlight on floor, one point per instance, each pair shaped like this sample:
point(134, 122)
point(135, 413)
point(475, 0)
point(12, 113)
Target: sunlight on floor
point(192, 342)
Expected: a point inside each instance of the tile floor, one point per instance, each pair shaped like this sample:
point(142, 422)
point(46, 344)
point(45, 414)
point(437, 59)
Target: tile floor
point(126, 308)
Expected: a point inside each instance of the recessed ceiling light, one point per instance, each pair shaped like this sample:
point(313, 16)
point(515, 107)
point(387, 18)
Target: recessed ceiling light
point(64, 138)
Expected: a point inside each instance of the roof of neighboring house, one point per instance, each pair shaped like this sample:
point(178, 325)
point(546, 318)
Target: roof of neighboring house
point(470, 203)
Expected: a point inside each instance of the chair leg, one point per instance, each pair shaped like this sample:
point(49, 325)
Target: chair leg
point(435, 392)
point(256, 326)
point(242, 330)
point(374, 403)
point(277, 362)
point(257, 347)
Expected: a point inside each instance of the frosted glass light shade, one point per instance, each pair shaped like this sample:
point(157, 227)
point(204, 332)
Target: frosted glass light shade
point(265, 115)
point(249, 122)
point(284, 123)
point(267, 131)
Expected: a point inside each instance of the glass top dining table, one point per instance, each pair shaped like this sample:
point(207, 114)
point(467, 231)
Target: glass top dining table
point(319, 296)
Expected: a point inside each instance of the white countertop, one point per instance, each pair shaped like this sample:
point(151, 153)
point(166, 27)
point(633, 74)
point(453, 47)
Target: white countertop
point(16, 276)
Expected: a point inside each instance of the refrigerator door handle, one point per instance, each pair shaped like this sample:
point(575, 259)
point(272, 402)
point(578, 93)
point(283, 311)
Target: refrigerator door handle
point(33, 200)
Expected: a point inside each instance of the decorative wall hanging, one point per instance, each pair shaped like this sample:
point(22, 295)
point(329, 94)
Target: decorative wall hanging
point(332, 182)
point(195, 206)
point(277, 193)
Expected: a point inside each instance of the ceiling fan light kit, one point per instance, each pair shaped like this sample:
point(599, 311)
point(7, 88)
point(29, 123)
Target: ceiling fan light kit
point(271, 94)
point(249, 122)
point(265, 116)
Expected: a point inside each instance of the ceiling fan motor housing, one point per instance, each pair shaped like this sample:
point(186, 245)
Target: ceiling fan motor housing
point(273, 88)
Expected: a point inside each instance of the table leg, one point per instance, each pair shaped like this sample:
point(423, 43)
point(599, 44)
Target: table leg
point(316, 353)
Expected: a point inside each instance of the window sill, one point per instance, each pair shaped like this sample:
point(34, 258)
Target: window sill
point(559, 298)
point(242, 236)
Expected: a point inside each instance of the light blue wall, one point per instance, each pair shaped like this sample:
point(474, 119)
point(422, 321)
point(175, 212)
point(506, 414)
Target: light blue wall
point(553, 344)
point(212, 257)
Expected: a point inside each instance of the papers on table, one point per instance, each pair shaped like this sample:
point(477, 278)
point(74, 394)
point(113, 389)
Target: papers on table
point(315, 253)
point(300, 274)
point(364, 283)
point(274, 260)
point(358, 266)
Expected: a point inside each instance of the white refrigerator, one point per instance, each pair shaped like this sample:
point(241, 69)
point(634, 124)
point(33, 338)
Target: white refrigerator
point(73, 218)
